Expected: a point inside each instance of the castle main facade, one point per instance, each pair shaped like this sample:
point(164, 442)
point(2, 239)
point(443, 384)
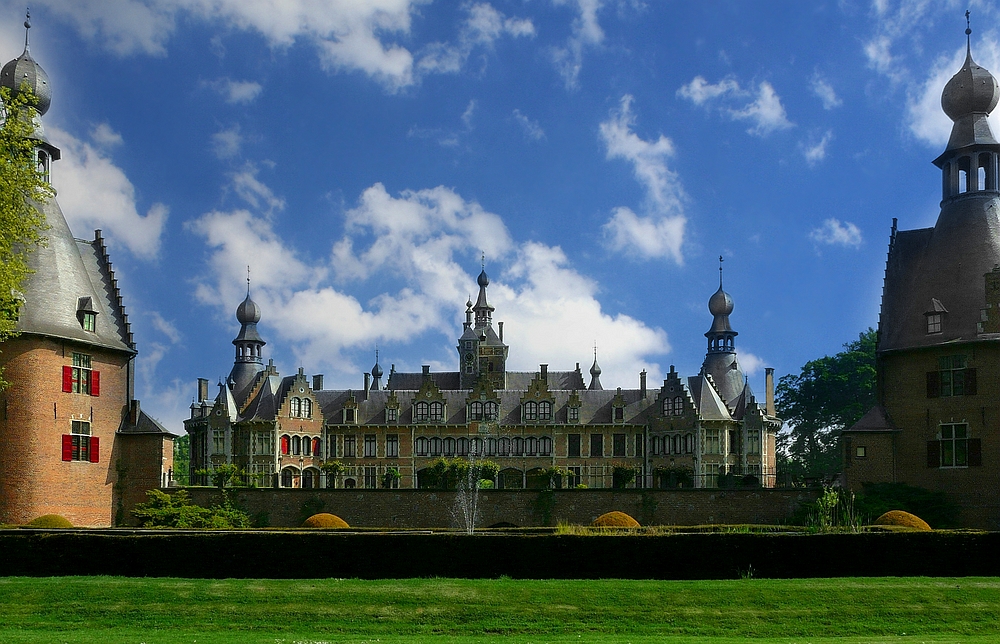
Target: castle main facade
point(707, 430)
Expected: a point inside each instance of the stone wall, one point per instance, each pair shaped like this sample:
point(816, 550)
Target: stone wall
point(521, 508)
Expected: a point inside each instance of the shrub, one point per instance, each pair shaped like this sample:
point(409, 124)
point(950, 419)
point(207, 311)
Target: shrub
point(50, 521)
point(615, 520)
point(934, 507)
point(164, 510)
point(901, 518)
point(325, 520)
point(622, 474)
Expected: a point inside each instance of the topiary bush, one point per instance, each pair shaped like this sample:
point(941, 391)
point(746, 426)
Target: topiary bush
point(904, 519)
point(50, 521)
point(325, 520)
point(933, 507)
point(615, 519)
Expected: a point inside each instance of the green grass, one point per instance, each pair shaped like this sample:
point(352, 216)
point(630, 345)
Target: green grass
point(155, 611)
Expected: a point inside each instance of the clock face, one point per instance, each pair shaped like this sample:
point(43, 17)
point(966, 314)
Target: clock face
point(469, 357)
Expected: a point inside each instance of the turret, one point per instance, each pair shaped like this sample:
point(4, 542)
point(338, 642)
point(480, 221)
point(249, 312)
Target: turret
point(720, 360)
point(248, 345)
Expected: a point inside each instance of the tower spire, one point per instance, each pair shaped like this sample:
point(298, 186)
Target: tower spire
point(27, 26)
point(968, 33)
point(248, 280)
point(720, 270)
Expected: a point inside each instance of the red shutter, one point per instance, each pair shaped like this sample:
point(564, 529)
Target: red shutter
point(67, 447)
point(95, 449)
point(933, 453)
point(975, 452)
point(285, 445)
point(316, 447)
point(67, 379)
point(95, 383)
point(933, 384)
point(970, 382)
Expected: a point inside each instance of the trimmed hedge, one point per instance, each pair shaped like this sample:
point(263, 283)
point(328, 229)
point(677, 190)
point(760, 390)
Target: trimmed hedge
point(615, 519)
point(903, 519)
point(325, 520)
point(321, 554)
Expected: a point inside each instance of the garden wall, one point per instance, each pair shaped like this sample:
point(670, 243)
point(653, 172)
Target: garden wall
point(298, 554)
point(520, 508)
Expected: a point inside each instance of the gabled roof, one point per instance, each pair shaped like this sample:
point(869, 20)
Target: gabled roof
point(707, 400)
point(875, 421)
point(145, 425)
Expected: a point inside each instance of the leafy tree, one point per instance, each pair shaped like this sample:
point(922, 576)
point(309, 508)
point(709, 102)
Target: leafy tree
point(175, 510)
point(182, 458)
point(22, 187)
point(829, 395)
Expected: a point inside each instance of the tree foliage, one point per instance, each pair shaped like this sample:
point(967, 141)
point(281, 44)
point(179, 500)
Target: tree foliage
point(829, 395)
point(175, 510)
point(22, 186)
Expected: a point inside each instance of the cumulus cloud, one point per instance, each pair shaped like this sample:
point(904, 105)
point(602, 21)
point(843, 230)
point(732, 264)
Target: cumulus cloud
point(95, 193)
point(482, 28)
point(254, 192)
point(835, 233)
point(103, 135)
point(531, 128)
point(236, 92)
point(166, 328)
point(765, 112)
point(227, 143)
point(422, 241)
point(816, 152)
point(660, 232)
point(750, 363)
point(586, 32)
point(825, 92)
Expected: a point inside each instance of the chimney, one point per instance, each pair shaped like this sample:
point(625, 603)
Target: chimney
point(318, 382)
point(426, 370)
point(368, 382)
point(133, 413)
point(500, 326)
point(642, 383)
point(545, 372)
point(202, 389)
point(769, 390)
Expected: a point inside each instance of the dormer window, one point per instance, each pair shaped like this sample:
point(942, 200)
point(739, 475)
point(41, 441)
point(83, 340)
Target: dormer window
point(86, 314)
point(935, 316)
point(934, 323)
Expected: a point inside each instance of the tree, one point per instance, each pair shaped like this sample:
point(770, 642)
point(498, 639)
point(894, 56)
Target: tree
point(829, 395)
point(182, 458)
point(22, 188)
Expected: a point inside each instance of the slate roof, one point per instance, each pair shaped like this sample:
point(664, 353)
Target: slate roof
point(65, 270)
point(145, 425)
point(875, 421)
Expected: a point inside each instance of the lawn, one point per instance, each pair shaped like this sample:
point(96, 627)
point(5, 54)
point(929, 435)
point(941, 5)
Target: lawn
point(154, 610)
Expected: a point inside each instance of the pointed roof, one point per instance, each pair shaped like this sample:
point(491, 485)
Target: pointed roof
point(710, 404)
point(875, 421)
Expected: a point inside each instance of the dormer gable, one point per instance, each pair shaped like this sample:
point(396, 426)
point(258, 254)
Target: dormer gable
point(538, 403)
point(482, 403)
point(429, 405)
point(299, 400)
point(673, 398)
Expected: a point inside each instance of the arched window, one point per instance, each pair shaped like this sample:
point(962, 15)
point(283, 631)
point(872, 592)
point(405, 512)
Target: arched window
point(287, 477)
point(490, 411)
point(545, 446)
point(530, 410)
point(449, 446)
point(435, 446)
point(295, 408)
point(476, 410)
point(307, 408)
point(504, 446)
point(420, 412)
point(296, 445)
point(530, 446)
point(309, 479)
point(317, 446)
point(545, 410)
point(654, 447)
point(666, 406)
point(463, 446)
point(475, 447)
point(43, 166)
point(688, 443)
point(421, 446)
point(517, 445)
point(306, 446)
point(675, 445)
point(678, 406)
point(491, 446)
point(436, 412)
point(286, 445)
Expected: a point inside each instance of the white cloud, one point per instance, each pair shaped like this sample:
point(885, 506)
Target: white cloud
point(817, 152)
point(835, 233)
point(166, 328)
point(422, 241)
point(531, 128)
point(482, 28)
point(104, 136)
point(586, 32)
point(255, 193)
point(95, 193)
point(467, 115)
point(765, 112)
point(699, 91)
point(661, 232)
point(750, 363)
point(825, 92)
point(227, 143)
point(236, 92)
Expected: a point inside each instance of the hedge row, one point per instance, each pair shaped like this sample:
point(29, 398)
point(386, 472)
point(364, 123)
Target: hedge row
point(265, 554)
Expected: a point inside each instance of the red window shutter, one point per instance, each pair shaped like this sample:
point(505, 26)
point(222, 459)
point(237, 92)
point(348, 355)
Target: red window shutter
point(67, 447)
point(970, 382)
point(975, 452)
point(95, 383)
point(933, 384)
point(933, 453)
point(95, 449)
point(285, 445)
point(67, 379)
point(316, 447)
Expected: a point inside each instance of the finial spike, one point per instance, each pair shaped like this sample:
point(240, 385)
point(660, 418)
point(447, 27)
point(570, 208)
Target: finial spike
point(484, 260)
point(248, 280)
point(27, 26)
point(720, 270)
point(968, 33)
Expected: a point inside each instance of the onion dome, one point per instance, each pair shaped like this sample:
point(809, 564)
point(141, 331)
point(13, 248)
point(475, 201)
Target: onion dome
point(720, 303)
point(595, 375)
point(973, 90)
point(24, 70)
point(248, 312)
point(376, 370)
point(483, 279)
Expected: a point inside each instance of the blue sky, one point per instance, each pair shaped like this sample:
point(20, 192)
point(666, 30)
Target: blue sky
point(362, 156)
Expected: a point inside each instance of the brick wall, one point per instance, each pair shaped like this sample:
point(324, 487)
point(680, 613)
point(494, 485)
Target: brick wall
point(522, 508)
point(35, 414)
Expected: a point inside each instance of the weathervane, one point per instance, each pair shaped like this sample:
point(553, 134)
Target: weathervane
point(27, 26)
point(720, 270)
point(484, 260)
point(248, 280)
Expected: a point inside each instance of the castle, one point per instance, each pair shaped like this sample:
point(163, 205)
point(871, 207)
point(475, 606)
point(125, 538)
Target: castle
point(543, 427)
point(73, 438)
point(938, 356)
